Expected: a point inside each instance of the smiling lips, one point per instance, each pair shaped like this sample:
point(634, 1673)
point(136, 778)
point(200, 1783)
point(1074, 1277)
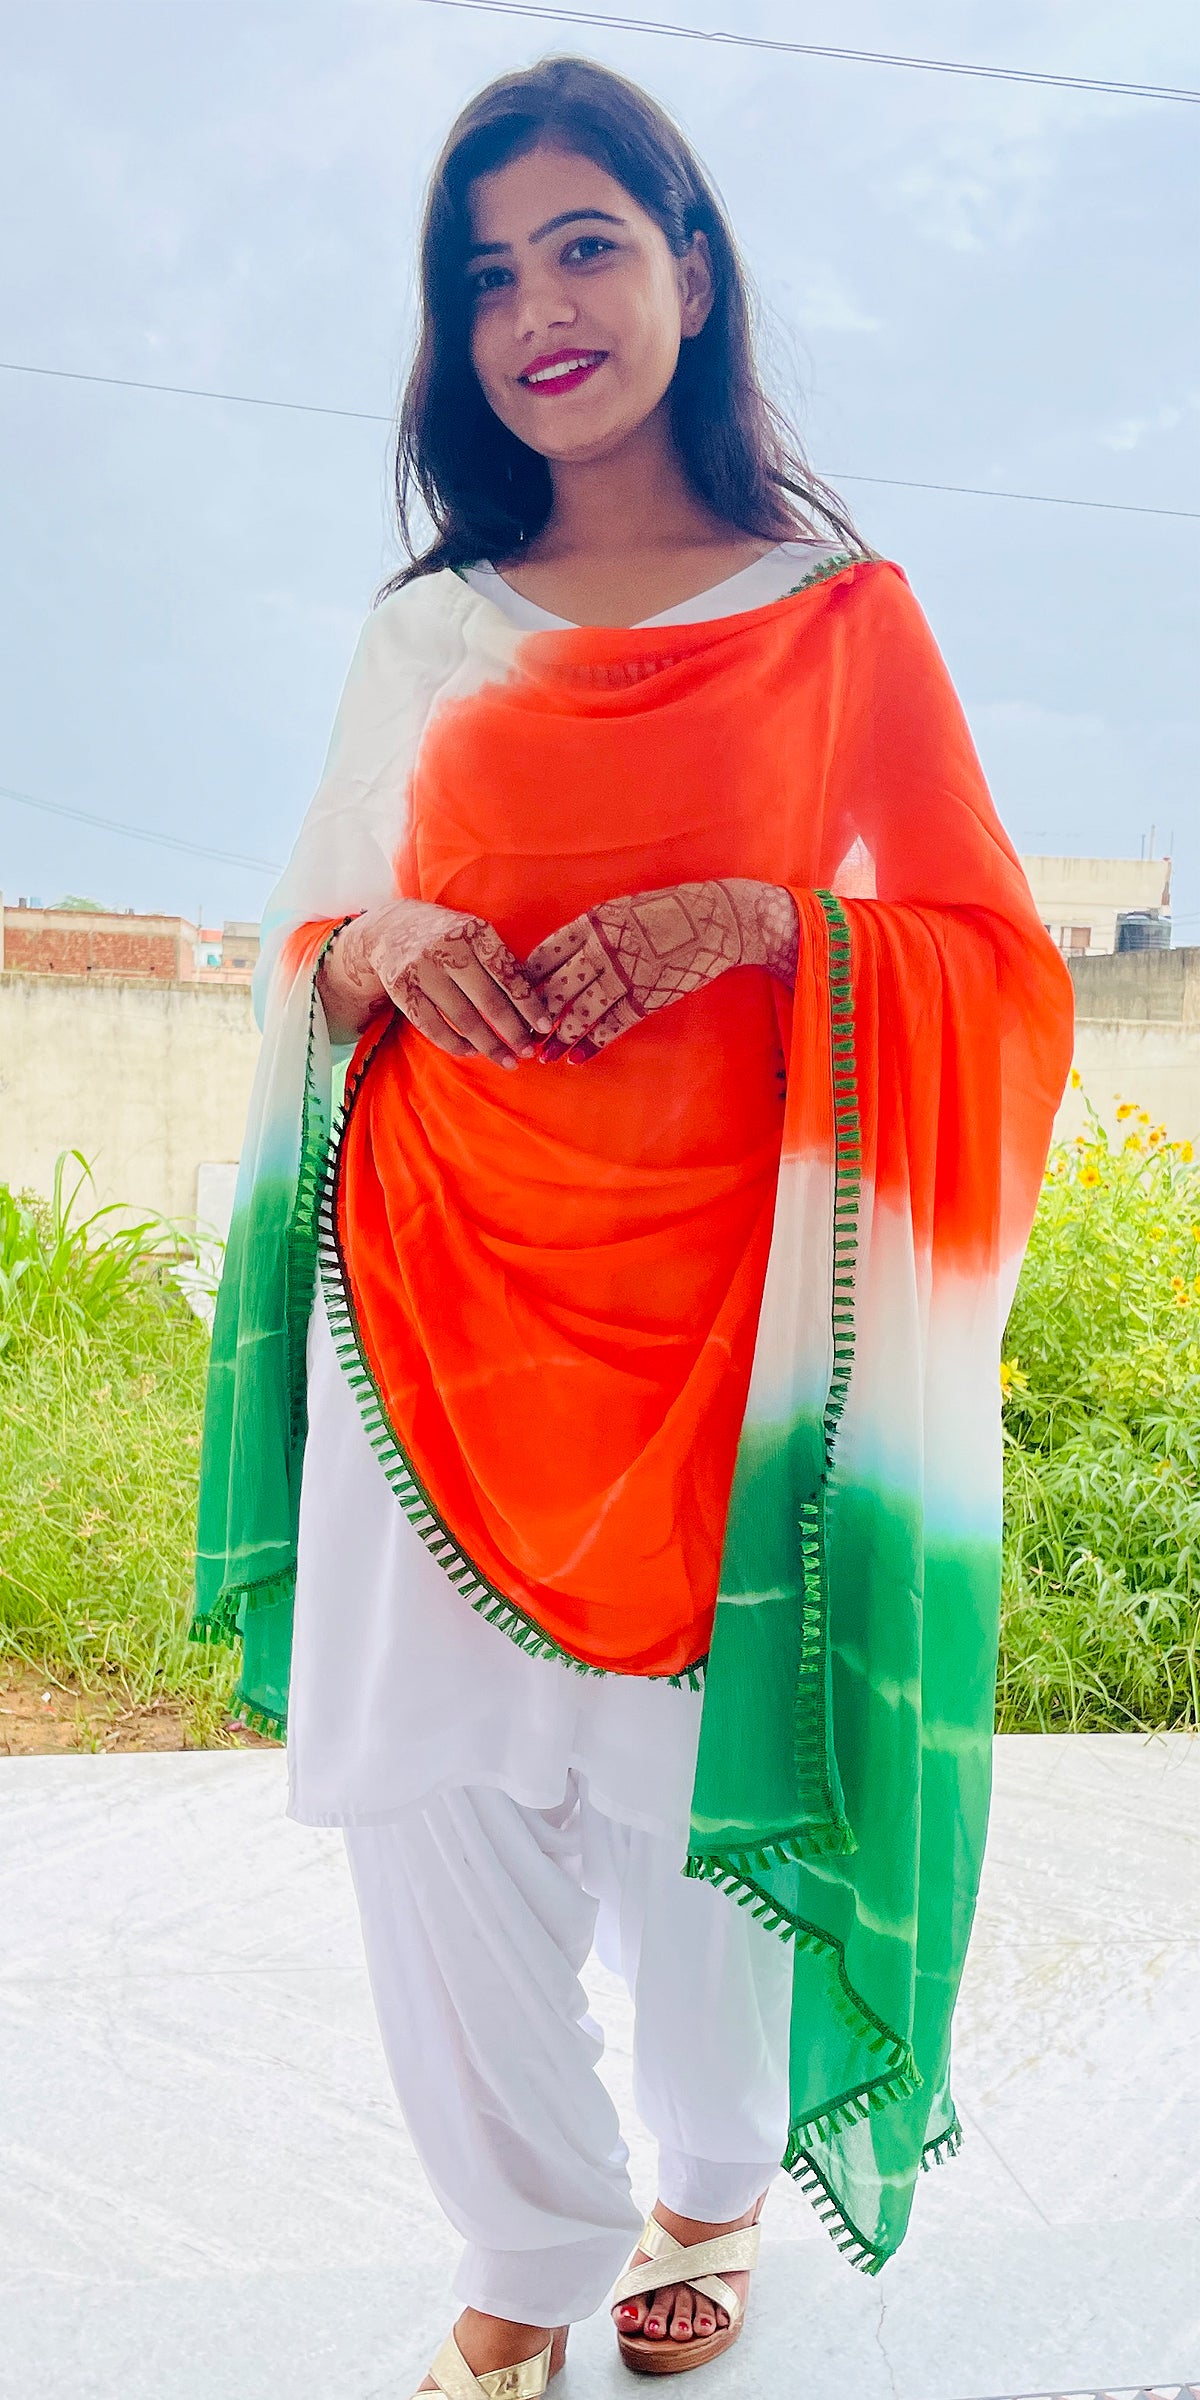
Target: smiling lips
point(562, 370)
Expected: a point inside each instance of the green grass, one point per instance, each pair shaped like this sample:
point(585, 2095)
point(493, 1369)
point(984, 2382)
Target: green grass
point(1101, 1625)
point(101, 1389)
point(102, 1370)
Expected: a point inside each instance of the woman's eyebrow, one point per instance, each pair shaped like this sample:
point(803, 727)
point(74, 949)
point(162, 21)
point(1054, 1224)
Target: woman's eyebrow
point(570, 216)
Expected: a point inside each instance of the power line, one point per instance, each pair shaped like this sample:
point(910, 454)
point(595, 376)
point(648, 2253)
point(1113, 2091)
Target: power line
point(136, 833)
point(190, 391)
point(365, 416)
point(872, 58)
point(984, 491)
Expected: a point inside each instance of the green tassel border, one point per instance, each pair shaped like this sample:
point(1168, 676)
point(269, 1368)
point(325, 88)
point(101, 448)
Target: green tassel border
point(854, 2246)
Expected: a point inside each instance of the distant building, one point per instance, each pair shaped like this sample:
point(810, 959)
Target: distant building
point(80, 938)
point(1085, 902)
point(239, 947)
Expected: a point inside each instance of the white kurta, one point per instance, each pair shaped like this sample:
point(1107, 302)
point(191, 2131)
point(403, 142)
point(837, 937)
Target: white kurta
point(398, 1689)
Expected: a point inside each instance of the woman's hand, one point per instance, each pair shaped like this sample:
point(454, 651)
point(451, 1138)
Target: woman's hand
point(620, 962)
point(449, 974)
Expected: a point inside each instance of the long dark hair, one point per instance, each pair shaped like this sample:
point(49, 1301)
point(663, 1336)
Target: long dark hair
point(483, 490)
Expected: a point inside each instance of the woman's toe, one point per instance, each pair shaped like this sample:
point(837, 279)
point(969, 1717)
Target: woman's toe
point(704, 2321)
point(681, 2316)
point(630, 2315)
point(658, 2316)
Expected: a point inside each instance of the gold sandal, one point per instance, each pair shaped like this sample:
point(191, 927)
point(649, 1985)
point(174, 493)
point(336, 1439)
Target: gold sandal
point(700, 2266)
point(527, 2381)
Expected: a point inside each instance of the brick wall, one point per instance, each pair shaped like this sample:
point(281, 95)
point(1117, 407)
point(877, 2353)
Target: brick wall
point(77, 947)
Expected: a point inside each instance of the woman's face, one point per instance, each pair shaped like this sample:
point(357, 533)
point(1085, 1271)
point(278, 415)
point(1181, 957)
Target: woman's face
point(578, 304)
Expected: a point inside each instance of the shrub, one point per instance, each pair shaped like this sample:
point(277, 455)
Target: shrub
point(1101, 1626)
point(102, 1367)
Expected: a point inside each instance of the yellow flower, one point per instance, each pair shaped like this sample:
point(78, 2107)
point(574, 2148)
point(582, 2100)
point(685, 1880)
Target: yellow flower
point(1128, 1108)
point(1157, 1134)
point(1143, 1116)
point(1076, 1080)
point(1089, 1175)
point(1133, 1141)
point(1185, 1152)
point(1012, 1378)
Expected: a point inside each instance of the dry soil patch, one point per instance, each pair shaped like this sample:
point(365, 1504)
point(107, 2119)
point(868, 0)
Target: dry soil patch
point(39, 1713)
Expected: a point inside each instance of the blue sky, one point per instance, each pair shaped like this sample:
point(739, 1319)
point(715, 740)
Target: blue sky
point(962, 282)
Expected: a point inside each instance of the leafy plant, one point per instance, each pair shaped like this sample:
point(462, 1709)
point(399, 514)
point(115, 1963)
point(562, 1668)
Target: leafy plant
point(102, 1368)
point(1102, 1441)
point(61, 1272)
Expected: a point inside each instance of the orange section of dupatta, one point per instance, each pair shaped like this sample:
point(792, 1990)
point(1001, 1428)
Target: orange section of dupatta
point(556, 1274)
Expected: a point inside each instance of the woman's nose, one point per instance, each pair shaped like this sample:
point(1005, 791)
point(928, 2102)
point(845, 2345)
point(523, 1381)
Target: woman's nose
point(543, 307)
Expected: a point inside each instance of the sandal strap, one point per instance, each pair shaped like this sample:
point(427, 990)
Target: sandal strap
point(698, 2264)
point(453, 2377)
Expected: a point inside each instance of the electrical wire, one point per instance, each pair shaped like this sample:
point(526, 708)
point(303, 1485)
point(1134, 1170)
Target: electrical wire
point(190, 391)
point(137, 833)
point(874, 58)
point(365, 416)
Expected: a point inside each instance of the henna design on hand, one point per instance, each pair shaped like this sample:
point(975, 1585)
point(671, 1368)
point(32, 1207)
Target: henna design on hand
point(627, 958)
point(450, 974)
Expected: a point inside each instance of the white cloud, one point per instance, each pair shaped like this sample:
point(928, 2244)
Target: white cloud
point(824, 303)
point(977, 185)
point(1129, 433)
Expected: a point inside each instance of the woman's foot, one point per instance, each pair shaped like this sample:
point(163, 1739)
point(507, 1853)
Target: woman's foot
point(676, 2313)
point(490, 2342)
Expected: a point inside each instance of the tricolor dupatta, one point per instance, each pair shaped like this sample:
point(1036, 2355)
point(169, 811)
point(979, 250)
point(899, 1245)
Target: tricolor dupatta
point(843, 1778)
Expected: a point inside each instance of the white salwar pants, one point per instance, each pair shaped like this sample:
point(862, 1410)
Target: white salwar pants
point(478, 1913)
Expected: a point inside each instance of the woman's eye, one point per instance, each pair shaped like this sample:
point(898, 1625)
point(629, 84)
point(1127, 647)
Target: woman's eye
point(586, 248)
point(489, 279)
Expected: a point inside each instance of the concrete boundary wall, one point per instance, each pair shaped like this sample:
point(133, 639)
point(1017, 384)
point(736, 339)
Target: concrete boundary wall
point(1137, 1034)
point(149, 1080)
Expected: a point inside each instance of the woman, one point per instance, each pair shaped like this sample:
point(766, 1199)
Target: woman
point(633, 1475)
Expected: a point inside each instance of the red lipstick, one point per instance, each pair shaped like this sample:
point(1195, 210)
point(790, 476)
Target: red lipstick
point(561, 370)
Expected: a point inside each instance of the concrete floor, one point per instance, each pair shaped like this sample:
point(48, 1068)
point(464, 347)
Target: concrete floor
point(206, 2194)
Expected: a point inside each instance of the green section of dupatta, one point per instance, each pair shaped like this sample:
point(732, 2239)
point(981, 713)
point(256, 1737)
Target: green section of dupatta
point(843, 1776)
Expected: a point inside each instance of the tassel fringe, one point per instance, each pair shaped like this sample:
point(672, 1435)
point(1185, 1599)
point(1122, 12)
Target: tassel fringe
point(821, 1829)
point(260, 1720)
point(804, 2170)
point(897, 2062)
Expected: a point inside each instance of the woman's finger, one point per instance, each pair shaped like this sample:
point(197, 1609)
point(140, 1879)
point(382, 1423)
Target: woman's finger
point(621, 1018)
point(603, 993)
point(568, 981)
point(491, 1001)
point(558, 948)
point(420, 1011)
point(460, 1012)
point(513, 979)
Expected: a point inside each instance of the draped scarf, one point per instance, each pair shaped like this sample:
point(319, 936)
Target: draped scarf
point(683, 1362)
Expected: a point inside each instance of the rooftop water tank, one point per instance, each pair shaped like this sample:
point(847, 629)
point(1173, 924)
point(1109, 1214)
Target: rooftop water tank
point(1143, 929)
